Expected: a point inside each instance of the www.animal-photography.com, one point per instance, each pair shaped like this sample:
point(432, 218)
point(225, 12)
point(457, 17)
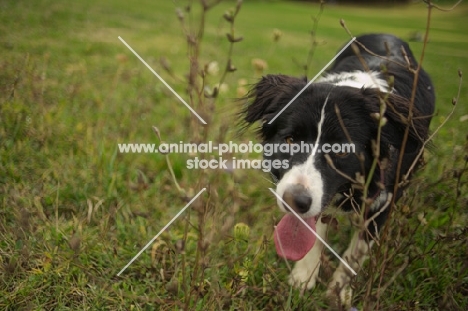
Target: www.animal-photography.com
point(233, 155)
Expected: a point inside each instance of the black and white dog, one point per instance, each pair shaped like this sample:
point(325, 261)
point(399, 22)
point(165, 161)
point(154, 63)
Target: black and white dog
point(343, 106)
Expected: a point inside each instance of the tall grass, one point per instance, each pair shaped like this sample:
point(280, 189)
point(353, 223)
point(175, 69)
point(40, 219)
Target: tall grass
point(74, 211)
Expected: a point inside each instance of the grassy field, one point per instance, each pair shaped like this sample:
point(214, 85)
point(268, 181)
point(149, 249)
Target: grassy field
point(74, 211)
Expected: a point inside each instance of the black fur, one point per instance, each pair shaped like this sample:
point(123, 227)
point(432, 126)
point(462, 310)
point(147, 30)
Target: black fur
point(354, 108)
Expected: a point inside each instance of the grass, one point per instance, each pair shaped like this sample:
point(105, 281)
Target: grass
point(74, 211)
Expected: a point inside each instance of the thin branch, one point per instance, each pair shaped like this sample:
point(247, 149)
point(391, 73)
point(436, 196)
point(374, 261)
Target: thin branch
point(455, 102)
point(442, 9)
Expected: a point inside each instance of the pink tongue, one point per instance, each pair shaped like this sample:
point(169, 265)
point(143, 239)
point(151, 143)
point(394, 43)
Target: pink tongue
point(292, 239)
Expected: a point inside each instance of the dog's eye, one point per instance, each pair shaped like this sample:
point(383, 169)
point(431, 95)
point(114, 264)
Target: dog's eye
point(289, 140)
point(341, 154)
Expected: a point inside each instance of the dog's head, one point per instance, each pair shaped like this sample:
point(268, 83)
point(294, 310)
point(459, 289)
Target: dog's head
point(340, 124)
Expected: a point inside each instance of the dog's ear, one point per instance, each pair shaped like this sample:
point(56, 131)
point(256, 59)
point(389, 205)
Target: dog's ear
point(267, 96)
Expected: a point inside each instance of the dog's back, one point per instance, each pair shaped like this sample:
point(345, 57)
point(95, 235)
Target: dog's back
point(391, 55)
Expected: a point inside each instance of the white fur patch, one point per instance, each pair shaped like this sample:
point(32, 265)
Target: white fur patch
point(380, 200)
point(307, 175)
point(357, 79)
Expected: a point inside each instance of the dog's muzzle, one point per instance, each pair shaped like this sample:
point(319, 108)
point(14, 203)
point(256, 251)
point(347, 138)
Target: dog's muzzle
point(298, 198)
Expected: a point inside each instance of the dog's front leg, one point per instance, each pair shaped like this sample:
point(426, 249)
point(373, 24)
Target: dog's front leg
point(339, 289)
point(305, 272)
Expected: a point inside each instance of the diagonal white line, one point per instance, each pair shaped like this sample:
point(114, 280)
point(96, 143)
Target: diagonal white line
point(315, 233)
point(159, 233)
point(162, 80)
point(313, 79)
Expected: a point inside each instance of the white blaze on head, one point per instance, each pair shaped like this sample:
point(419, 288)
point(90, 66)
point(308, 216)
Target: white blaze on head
point(306, 174)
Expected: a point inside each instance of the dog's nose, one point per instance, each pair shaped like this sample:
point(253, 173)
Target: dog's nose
point(298, 198)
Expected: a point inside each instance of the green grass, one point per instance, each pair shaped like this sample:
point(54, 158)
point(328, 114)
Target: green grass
point(74, 211)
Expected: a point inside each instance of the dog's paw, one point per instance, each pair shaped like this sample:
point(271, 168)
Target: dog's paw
point(339, 291)
point(340, 295)
point(303, 277)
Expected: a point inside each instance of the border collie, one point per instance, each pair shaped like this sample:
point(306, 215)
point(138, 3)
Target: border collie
point(365, 99)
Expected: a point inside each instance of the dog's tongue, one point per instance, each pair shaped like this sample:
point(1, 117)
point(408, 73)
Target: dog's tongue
point(292, 239)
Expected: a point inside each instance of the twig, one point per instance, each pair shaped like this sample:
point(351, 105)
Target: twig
point(454, 102)
point(411, 103)
point(442, 9)
point(332, 165)
point(314, 42)
point(393, 277)
point(169, 164)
